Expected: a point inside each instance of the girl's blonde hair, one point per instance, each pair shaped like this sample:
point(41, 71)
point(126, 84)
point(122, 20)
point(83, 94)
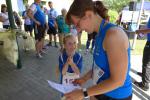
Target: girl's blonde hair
point(67, 37)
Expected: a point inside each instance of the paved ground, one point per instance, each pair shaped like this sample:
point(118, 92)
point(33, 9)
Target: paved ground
point(29, 83)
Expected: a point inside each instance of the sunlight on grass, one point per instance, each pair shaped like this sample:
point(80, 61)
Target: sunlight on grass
point(138, 47)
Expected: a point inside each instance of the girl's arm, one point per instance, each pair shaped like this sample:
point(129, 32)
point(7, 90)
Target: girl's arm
point(73, 65)
point(65, 68)
point(75, 68)
point(62, 67)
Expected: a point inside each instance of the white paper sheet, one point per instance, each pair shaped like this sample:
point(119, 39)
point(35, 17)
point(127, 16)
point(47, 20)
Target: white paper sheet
point(63, 88)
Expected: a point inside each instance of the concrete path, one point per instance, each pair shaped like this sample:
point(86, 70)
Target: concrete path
point(29, 83)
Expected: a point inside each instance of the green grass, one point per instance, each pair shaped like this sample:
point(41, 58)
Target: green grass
point(138, 50)
point(138, 47)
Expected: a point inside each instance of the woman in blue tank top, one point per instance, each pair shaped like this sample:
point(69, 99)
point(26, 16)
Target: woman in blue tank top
point(111, 58)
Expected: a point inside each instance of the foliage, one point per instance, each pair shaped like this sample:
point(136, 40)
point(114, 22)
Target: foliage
point(113, 15)
point(116, 5)
point(25, 1)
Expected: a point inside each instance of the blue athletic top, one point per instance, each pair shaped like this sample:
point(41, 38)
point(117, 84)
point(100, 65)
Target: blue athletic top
point(101, 60)
point(39, 15)
point(148, 26)
point(52, 14)
point(77, 59)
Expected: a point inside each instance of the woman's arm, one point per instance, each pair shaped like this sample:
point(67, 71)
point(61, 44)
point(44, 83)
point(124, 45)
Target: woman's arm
point(115, 45)
point(144, 31)
point(83, 79)
point(2, 19)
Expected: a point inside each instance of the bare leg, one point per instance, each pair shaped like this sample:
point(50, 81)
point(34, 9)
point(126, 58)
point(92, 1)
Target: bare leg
point(55, 40)
point(50, 39)
point(79, 40)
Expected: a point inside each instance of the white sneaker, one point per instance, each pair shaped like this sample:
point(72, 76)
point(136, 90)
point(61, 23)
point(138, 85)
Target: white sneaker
point(42, 52)
point(39, 55)
point(86, 52)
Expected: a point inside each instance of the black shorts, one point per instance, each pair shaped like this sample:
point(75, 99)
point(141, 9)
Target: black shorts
point(104, 97)
point(28, 28)
point(92, 36)
point(6, 26)
point(39, 32)
point(52, 31)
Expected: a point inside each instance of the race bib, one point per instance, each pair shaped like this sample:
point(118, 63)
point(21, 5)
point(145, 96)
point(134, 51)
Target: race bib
point(97, 74)
point(68, 78)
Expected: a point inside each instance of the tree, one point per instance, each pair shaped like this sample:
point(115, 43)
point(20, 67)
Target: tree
point(116, 5)
point(25, 1)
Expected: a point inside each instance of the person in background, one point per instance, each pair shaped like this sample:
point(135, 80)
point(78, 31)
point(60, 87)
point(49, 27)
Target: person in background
point(79, 40)
point(146, 61)
point(45, 11)
point(4, 16)
point(28, 23)
point(63, 28)
point(111, 56)
point(52, 31)
point(17, 19)
point(90, 37)
point(38, 17)
point(1, 19)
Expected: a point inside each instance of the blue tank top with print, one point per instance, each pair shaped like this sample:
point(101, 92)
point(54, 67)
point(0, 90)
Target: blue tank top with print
point(39, 15)
point(101, 60)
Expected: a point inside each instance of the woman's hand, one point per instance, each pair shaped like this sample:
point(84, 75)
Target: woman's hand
point(79, 81)
point(74, 95)
point(138, 31)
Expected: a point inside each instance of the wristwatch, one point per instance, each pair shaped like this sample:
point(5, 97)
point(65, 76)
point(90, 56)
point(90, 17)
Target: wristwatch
point(85, 93)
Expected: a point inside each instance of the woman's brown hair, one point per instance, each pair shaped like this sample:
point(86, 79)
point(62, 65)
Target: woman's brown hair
point(79, 7)
point(2, 7)
point(100, 9)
